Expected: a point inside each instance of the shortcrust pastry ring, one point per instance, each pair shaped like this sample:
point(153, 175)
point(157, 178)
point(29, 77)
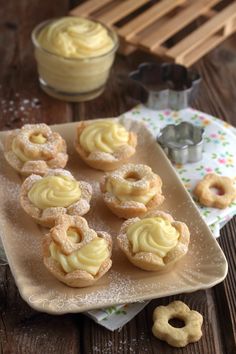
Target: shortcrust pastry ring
point(208, 198)
point(51, 153)
point(139, 179)
point(177, 337)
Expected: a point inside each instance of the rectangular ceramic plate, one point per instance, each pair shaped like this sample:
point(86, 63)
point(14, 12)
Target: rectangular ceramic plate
point(203, 266)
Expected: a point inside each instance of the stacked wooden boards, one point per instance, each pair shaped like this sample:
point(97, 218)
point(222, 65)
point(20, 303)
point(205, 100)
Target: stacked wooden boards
point(150, 25)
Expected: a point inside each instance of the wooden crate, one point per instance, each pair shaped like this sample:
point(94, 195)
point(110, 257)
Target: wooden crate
point(150, 25)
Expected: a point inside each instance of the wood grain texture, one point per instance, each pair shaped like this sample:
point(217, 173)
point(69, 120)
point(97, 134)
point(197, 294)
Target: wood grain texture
point(22, 100)
point(23, 330)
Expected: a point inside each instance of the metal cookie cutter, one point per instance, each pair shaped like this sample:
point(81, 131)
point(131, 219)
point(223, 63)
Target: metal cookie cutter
point(166, 85)
point(182, 143)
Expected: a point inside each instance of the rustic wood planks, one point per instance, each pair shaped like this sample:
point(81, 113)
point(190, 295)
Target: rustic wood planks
point(25, 331)
point(160, 21)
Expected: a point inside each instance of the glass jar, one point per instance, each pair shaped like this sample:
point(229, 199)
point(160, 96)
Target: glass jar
point(72, 79)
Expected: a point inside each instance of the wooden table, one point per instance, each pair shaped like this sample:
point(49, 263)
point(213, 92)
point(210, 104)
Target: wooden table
point(23, 330)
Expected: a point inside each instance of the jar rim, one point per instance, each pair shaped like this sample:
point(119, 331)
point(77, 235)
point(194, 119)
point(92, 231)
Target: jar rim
point(41, 25)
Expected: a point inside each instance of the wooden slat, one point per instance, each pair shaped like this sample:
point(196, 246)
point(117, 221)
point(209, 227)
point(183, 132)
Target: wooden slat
point(121, 10)
point(88, 7)
point(210, 13)
point(147, 17)
point(126, 49)
point(135, 40)
point(186, 16)
point(199, 36)
point(229, 26)
point(200, 51)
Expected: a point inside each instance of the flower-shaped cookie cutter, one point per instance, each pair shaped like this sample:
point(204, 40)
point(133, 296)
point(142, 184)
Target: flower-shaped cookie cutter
point(166, 85)
point(182, 142)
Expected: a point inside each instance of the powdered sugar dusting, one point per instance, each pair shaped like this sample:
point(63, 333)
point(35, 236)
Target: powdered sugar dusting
point(19, 110)
point(203, 266)
point(135, 345)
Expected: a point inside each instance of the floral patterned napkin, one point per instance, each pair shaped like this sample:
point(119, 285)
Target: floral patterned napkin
point(218, 157)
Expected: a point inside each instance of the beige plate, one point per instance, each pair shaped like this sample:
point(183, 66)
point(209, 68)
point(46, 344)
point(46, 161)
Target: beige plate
point(203, 266)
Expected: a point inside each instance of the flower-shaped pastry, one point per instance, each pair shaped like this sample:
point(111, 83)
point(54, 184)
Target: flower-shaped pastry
point(57, 193)
point(132, 190)
point(104, 144)
point(154, 242)
point(206, 196)
point(177, 337)
point(75, 254)
point(35, 149)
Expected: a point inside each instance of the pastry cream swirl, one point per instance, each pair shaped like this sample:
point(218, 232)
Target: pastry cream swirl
point(123, 192)
point(75, 37)
point(54, 191)
point(22, 155)
point(89, 257)
point(104, 136)
point(153, 235)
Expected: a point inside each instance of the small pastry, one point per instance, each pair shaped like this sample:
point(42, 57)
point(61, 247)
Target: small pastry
point(131, 191)
point(177, 337)
point(208, 198)
point(104, 144)
point(57, 193)
point(154, 242)
point(75, 254)
point(35, 149)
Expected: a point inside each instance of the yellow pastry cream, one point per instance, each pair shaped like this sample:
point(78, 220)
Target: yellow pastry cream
point(74, 235)
point(38, 138)
point(74, 56)
point(54, 191)
point(153, 235)
point(89, 257)
point(75, 37)
point(103, 136)
point(123, 191)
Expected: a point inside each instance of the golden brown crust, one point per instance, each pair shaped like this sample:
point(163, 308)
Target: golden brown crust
point(147, 181)
point(53, 153)
point(150, 261)
point(208, 198)
point(105, 161)
point(77, 278)
point(177, 337)
point(47, 216)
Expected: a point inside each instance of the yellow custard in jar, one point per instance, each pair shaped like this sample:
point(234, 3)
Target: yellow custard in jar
point(74, 56)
